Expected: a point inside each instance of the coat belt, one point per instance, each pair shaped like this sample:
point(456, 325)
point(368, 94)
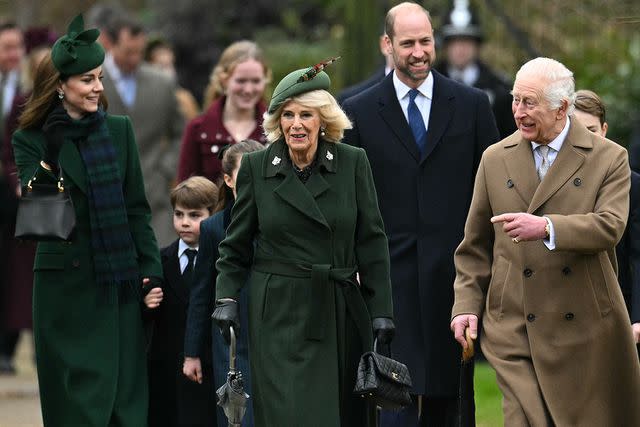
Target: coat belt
point(321, 276)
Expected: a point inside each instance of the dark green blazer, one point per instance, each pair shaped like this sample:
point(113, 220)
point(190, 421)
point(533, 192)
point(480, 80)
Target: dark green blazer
point(327, 226)
point(89, 345)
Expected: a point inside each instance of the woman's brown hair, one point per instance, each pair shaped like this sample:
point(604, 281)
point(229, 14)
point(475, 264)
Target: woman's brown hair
point(230, 161)
point(45, 96)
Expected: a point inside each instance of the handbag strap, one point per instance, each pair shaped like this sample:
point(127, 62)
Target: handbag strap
point(375, 347)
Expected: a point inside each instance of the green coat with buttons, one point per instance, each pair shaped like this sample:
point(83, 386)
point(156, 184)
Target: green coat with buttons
point(90, 347)
point(301, 245)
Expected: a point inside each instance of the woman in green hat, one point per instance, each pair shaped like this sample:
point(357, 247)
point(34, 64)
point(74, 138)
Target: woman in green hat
point(305, 223)
point(89, 340)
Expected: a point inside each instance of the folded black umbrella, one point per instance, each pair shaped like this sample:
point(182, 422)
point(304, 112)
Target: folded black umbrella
point(466, 402)
point(231, 396)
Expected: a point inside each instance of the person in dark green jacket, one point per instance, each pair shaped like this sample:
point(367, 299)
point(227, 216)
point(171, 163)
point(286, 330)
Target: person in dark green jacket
point(307, 230)
point(89, 341)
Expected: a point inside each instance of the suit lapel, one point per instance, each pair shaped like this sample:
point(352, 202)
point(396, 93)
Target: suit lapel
point(174, 276)
point(521, 169)
point(442, 110)
point(391, 113)
point(568, 161)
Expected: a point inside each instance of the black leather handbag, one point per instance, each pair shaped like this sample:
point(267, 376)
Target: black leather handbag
point(45, 212)
point(383, 381)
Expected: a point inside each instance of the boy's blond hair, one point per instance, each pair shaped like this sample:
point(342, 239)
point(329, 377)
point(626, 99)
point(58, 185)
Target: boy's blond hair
point(196, 192)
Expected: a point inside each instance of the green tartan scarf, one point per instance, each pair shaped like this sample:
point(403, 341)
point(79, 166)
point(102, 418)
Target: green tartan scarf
point(113, 249)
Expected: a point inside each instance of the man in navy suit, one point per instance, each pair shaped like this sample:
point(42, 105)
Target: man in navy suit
point(424, 135)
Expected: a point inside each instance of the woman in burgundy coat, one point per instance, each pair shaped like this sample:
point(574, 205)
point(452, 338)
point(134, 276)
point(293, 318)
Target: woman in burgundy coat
point(236, 105)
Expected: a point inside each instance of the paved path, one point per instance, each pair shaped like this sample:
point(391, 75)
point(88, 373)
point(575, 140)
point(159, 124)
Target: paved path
point(19, 400)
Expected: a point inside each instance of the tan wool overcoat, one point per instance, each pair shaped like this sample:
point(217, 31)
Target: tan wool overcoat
point(554, 322)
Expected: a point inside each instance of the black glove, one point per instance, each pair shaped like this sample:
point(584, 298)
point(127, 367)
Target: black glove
point(383, 329)
point(226, 315)
point(53, 132)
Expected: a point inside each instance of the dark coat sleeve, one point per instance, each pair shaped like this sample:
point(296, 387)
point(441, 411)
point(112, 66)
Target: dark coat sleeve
point(202, 291)
point(372, 248)
point(236, 250)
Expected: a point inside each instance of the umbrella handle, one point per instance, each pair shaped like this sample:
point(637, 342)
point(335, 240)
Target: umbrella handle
point(232, 349)
point(469, 352)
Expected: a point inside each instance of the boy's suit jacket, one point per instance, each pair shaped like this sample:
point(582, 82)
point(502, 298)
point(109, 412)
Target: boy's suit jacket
point(174, 400)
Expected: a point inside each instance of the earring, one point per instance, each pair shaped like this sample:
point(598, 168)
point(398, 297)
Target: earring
point(61, 95)
point(322, 129)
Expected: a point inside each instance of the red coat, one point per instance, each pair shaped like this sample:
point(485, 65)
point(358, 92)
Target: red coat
point(203, 139)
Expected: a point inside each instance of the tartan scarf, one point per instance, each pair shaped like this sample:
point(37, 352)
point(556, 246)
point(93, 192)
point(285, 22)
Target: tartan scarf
point(114, 253)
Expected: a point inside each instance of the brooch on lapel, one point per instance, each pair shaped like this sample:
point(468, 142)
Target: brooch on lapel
point(329, 155)
point(276, 161)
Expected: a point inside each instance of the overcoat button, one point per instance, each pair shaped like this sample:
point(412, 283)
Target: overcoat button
point(531, 317)
point(215, 149)
point(527, 272)
point(566, 271)
point(509, 183)
point(75, 263)
point(569, 316)
point(203, 135)
point(577, 182)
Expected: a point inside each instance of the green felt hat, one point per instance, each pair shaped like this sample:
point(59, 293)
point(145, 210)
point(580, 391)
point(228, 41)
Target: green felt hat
point(300, 81)
point(77, 51)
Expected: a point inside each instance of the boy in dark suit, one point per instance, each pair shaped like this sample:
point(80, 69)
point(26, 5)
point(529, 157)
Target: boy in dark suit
point(174, 401)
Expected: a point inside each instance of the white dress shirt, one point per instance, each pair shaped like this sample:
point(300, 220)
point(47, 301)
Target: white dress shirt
point(555, 146)
point(423, 100)
point(182, 256)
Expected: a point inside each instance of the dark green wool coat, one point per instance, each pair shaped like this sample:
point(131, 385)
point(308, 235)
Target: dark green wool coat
point(90, 347)
point(304, 346)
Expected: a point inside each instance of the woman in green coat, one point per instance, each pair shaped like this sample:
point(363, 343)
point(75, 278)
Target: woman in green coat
point(305, 222)
point(89, 340)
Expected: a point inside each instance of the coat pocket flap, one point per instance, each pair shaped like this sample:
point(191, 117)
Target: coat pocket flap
point(49, 261)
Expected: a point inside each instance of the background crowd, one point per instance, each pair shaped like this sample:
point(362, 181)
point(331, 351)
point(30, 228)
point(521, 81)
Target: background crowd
point(182, 128)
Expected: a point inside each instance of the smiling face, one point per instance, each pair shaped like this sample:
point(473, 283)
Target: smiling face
point(536, 119)
point(82, 93)
point(186, 222)
point(412, 46)
point(245, 86)
point(300, 127)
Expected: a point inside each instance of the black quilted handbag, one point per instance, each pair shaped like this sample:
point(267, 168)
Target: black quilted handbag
point(383, 381)
point(45, 212)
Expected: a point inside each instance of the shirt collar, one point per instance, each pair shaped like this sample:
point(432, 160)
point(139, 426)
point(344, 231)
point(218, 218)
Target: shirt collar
point(182, 246)
point(112, 68)
point(402, 90)
point(556, 144)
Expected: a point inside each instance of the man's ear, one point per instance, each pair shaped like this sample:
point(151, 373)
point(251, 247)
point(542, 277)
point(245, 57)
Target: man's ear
point(562, 111)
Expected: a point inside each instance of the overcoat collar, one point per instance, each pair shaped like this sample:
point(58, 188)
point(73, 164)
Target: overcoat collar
point(442, 110)
point(521, 169)
point(278, 166)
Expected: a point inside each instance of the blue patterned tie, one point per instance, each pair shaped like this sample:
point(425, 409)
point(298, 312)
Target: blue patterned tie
point(416, 122)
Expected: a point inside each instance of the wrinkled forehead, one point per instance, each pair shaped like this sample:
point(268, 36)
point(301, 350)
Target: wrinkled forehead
point(530, 86)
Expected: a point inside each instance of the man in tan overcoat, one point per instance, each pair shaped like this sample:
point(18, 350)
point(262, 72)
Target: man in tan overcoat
point(537, 263)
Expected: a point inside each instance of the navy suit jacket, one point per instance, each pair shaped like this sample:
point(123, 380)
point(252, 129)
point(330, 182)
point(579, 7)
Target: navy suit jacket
point(628, 253)
point(355, 89)
point(424, 202)
point(173, 398)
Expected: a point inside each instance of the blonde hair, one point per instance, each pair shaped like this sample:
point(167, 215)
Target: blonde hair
point(233, 55)
point(333, 119)
point(196, 192)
